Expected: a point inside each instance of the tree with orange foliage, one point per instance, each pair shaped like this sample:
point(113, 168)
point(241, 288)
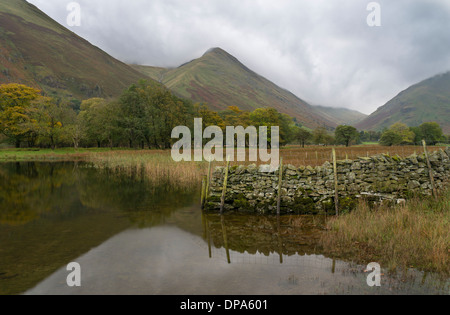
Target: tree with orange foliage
point(15, 103)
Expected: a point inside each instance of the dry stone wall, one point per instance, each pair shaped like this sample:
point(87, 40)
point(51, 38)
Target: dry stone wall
point(308, 190)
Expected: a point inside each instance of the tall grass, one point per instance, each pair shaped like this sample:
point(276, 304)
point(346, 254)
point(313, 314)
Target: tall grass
point(156, 166)
point(415, 235)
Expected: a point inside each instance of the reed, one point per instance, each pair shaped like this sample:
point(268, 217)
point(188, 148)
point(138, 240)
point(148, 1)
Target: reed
point(156, 166)
point(415, 235)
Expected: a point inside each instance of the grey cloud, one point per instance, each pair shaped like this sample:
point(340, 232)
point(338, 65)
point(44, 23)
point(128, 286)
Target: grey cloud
point(323, 51)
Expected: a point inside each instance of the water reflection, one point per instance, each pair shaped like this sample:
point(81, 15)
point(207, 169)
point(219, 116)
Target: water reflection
point(168, 260)
point(51, 213)
point(280, 235)
point(131, 237)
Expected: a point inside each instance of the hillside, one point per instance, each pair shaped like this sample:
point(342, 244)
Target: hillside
point(341, 116)
point(37, 51)
point(426, 101)
point(220, 80)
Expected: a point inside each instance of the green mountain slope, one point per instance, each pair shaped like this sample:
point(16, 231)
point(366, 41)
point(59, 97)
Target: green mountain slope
point(220, 80)
point(426, 101)
point(341, 116)
point(37, 51)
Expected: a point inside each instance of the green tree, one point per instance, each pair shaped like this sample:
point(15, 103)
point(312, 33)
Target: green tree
point(303, 136)
point(432, 132)
point(91, 120)
point(418, 135)
point(390, 138)
point(346, 135)
point(49, 119)
point(149, 112)
point(321, 136)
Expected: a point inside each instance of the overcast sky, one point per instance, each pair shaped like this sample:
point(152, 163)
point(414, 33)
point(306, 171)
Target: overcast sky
point(321, 50)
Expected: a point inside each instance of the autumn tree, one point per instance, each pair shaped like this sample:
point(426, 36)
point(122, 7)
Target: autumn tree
point(209, 117)
point(397, 134)
point(270, 117)
point(15, 102)
point(234, 116)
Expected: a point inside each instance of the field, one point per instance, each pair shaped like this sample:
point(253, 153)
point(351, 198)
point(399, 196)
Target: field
point(317, 155)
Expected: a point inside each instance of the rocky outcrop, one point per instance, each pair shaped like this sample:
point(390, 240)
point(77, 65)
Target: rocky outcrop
point(310, 190)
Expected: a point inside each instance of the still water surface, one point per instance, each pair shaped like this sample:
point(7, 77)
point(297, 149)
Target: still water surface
point(134, 238)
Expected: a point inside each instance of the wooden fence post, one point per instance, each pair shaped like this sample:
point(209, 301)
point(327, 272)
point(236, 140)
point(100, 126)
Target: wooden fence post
point(203, 192)
point(208, 182)
point(430, 169)
point(225, 238)
point(224, 190)
point(336, 186)
point(280, 183)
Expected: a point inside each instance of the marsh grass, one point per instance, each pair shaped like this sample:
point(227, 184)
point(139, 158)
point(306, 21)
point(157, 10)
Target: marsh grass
point(415, 235)
point(154, 166)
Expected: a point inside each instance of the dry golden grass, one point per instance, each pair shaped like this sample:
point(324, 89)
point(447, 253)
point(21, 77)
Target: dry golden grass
point(415, 235)
point(317, 155)
point(156, 166)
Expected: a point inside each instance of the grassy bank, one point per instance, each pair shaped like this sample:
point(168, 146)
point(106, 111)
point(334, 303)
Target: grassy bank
point(415, 235)
point(13, 155)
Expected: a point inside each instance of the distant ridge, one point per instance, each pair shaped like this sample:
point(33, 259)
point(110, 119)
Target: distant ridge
point(341, 116)
point(426, 101)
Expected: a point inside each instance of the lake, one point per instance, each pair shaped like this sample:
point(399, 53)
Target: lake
point(132, 237)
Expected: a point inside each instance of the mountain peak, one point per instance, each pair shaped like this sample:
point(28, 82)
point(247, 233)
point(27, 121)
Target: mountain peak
point(221, 57)
point(216, 50)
